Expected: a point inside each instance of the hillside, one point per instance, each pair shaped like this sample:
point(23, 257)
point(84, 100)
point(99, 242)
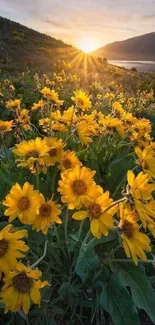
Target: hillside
point(22, 47)
point(141, 48)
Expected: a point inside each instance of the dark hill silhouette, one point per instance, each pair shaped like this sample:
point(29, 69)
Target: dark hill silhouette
point(24, 48)
point(140, 48)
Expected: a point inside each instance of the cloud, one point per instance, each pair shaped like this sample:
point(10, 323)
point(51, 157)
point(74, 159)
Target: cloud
point(106, 21)
point(148, 17)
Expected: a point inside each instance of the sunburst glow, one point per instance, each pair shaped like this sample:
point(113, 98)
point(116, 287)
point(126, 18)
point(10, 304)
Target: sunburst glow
point(87, 45)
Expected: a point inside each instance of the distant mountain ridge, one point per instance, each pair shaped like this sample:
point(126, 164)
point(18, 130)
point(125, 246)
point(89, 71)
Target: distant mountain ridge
point(22, 47)
point(140, 48)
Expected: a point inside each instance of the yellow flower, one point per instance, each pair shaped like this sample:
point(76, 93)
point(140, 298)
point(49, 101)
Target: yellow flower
point(84, 132)
point(22, 203)
point(32, 154)
point(150, 210)
point(140, 195)
point(11, 247)
point(69, 160)
point(51, 95)
point(13, 103)
point(134, 242)
point(56, 115)
point(81, 100)
point(38, 105)
point(146, 160)
point(100, 222)
point(114, 124)
point(59, 127)
point(77, 187)
point(24, 119)
point(12, 87)
point(69, 115)
point(55, 151)
point(47, 213)
point(45, 123)
point(141, 131)
point(140, 189)
point(117, 108)
point(5, 126)
point(21, 287)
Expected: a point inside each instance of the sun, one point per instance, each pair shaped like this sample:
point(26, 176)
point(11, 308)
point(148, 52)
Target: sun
point(87, 45)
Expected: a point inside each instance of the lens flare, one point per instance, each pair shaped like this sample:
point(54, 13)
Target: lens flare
point(87, 45)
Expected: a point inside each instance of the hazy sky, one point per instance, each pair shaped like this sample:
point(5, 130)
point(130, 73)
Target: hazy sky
point(103, 20)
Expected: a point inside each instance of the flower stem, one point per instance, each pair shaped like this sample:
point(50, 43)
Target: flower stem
point(42, 257)
point(56, 233)
point(6, 153)
point(80, 229)
point(84, 242)
point(66, 227)
point(37, 181)
point(124, 199)
point(118, 260)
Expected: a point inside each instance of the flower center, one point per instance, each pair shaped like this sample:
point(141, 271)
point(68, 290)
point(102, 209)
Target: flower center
point(23, 203)
point(53, 152)
point(127, 229)
point(45, 210)
point(80, 101)
point(33, 153)
point(67, 163)
point(22, 283)
point(79, 187)
point(94, 210)
point(3, 247)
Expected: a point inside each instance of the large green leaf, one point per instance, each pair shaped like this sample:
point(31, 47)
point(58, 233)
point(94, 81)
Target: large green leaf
point(117, 301)
point(88, 263)
point(117, 173)
point(104, 239)
point(142, 292)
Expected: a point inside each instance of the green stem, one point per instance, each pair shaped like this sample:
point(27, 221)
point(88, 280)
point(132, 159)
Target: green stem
point(84, 242)
point(42, 257)
point(66, 227)
point(56, 233)
point(91, 242)
point(37, 181)
point(118, 260)
point(80, 229)
point(6, 153)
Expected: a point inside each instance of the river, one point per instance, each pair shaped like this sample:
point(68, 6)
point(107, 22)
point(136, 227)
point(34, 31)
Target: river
point(141, 66)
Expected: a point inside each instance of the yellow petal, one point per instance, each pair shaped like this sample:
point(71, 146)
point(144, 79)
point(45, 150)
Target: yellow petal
point(130, 177)
point(94, 227)
point(126, 248)
point(80, 215)
point(35, 295)
point(26, 303)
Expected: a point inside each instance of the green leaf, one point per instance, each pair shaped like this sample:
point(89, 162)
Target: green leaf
point(87, 303)
point(117, 173)
point(142, 292)
point(87, 264)
point(58, 311)
point(104, 239)
point(65, 289)
point(117, 301)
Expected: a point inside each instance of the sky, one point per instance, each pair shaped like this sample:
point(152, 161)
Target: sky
point(75, 21)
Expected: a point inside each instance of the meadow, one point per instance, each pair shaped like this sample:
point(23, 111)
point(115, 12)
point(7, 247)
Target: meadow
point(77, 204)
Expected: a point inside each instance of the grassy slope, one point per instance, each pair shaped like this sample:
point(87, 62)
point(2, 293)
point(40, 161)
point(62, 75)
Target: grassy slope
point(22, 47)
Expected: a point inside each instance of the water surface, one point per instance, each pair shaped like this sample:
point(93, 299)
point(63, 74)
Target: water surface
point(141, 66)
